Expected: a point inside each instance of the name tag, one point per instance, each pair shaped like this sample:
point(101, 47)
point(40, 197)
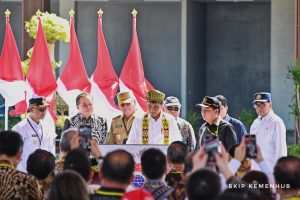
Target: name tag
point(118, 126)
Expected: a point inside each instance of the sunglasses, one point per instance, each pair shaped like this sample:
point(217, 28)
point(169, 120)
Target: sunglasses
point(43, 109)
point(125, 104)
point(170, 108)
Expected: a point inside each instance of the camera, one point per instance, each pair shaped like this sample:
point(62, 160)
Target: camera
point(250, 141)
point(211, 147)
point(85, 133)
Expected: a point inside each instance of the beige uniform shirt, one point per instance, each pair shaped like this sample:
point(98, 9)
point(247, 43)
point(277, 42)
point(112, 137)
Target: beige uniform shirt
point(119, 129)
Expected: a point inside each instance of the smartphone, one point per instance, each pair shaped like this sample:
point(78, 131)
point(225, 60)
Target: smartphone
point(211, 147)
point(85, 133)
point(251, 150)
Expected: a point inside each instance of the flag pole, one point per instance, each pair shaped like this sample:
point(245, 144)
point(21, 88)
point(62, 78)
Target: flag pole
point(6, 117)
point(7, 13)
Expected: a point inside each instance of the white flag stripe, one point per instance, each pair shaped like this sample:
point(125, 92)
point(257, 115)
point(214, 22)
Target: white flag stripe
point(102, 107)
point(69, 96)
point(13, 92)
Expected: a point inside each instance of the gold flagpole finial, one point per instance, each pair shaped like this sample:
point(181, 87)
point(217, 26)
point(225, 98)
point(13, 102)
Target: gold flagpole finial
point(38, 13)
point(134, 12)
point(7, 13)
point(100, 12)
point(71, 13)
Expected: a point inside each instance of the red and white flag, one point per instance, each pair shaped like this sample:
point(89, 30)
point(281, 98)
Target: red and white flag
point(104, 80)
point(40, 76)
point(132, 76)
point(73, 79)
point(12, 85)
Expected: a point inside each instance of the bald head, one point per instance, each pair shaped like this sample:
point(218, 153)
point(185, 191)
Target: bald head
point(118, 166)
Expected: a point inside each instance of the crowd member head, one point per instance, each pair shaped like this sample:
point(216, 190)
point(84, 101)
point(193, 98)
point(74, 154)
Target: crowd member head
point(155, 100)
point(38, 108)
point(154, 164)
point(117, 169)
point(11, 145)
point(15, 184)
point(68, 185)
point(78, 161)
point(65, 141)
point(262, 103)
point(258, 177)
point(85, 104)
point(223, 105)
point(126, 103)
point(244, 193)
point(287, 173)
point(210, 109)
point(172, 106)
point(176, 154)
point(40, 164)
point(203, 184)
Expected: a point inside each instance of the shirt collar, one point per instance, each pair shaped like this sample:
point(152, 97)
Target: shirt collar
point(133, 115)
point(227, 117)
point(33, 123)
point(81, 116)
point(159, 119)
point(267, 117)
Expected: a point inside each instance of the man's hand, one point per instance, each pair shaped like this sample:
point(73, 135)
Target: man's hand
point(240, 151)
point(75, 141)
point(259, 156)
point(95, 151)
point(222, 162)
point(199, 159)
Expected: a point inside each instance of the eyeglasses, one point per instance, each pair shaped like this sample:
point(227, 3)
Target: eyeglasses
point(85, 105)
point(43, 109)
point(170, 108)
point(259, 105)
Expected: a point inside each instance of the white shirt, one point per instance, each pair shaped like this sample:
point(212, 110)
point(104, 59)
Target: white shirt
point(270, 134)
point(42, 138)
point(155, 130)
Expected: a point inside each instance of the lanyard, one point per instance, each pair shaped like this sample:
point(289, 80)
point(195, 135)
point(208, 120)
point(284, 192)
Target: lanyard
point(40, 138)
point(107, 193)
point(214, 133)
point(6, 165)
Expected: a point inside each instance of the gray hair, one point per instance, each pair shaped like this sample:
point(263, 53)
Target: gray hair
point(65, 139)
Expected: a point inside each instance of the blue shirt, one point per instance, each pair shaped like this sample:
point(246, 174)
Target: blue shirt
point(239, 127)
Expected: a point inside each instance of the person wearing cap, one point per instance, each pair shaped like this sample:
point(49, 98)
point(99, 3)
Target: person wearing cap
point(86, 117)
point(121, 125)
point(172, 106)
point(155, 126)
point(269, 129)
point(35, 131)
point(239, 127)
point(215, 126)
